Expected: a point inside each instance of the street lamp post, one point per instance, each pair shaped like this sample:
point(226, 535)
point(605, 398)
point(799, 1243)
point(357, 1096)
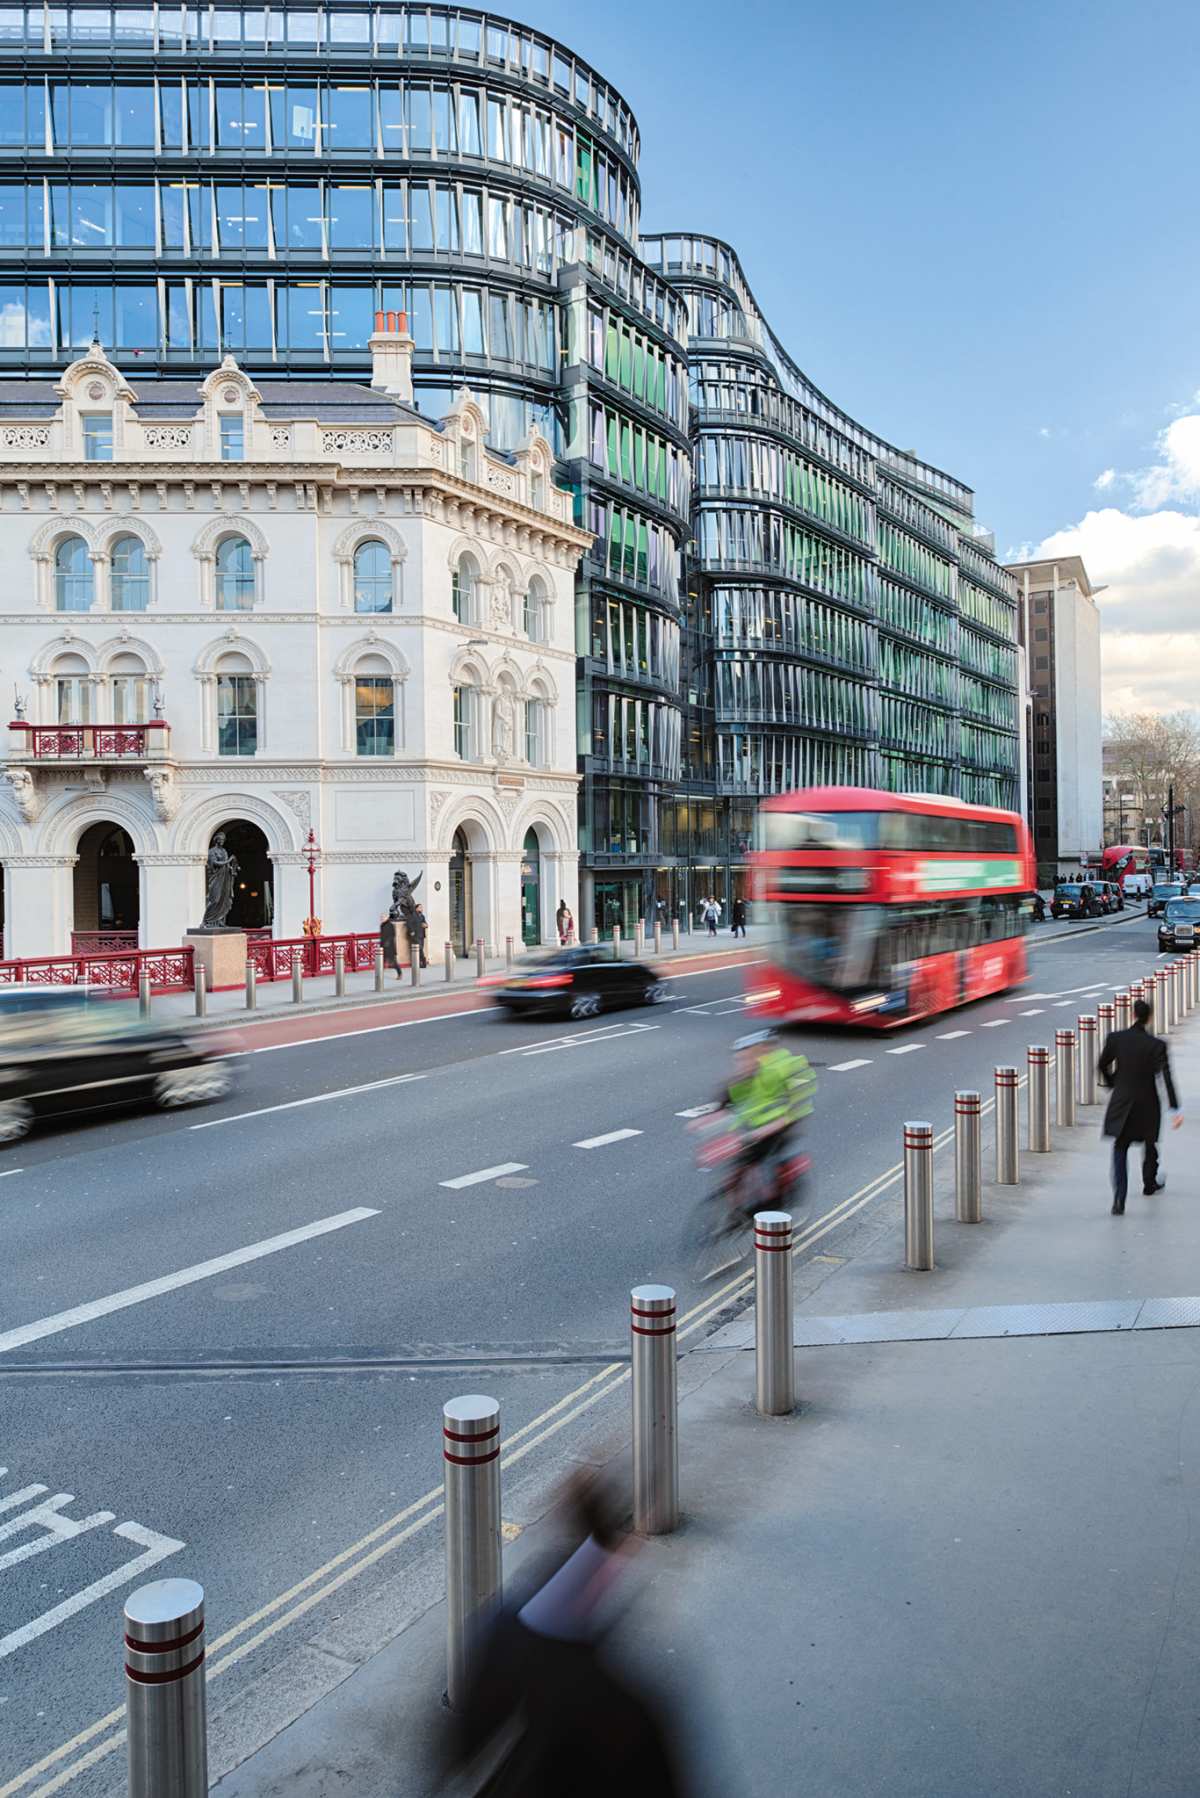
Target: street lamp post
point(312, 924)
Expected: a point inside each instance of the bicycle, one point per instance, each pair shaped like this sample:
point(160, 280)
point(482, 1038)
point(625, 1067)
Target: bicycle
point(720, 1229)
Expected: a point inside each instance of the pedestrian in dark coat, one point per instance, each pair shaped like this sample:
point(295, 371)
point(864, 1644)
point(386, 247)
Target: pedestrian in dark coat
point(1130, 1063)
point(418, 930)
point(387, 939)
point(738, 917)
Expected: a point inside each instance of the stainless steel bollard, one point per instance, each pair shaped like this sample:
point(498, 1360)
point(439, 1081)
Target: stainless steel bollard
point(379, 970)
point(144, 997)
point(674, 933)
point(1105, 1023)
point(968, 1158)
point(251, 986)
point(1161, 1021)
point(298, 977)
point(1120, 1011)
point(448, 960)
point(200, 978)
point(508, 953)
point(1193, 968)
point(1169, 992)
point(774, 1356)
point(165, 1718)
point(471, 1476)
point(616, 941)
point(1064, 1077)
point(1008, 1153)
point(655, 1409)
point(1086, 1027)
point(918, 1196)
point(639, 939)
point(480, 960)
point(414, 964)
point(1178, 996)
point(339, 970)
point(658, 936)
point(1038, 1093)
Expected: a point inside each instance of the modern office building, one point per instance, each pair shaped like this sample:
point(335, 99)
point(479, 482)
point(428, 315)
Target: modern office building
point(1062, 637)
point(259, 180)
point(846, 619)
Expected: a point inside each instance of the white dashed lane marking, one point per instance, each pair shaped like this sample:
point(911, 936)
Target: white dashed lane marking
point(905, 1049)
point(486, 1173)
point(844, 1067)
point(950, 1036)
point(1035, 1013)
point(602, 1142)
point(995, 1023)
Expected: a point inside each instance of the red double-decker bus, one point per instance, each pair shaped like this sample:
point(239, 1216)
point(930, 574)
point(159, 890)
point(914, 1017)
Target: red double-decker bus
point(887, 907)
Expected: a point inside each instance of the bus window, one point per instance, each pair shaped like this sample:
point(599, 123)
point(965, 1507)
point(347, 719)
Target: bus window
point(830, 945)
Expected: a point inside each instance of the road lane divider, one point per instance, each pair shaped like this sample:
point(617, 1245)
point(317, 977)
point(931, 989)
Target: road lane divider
point(344, 1092)
point(602, 1142)
point(184, 1276)
point(485, 1174)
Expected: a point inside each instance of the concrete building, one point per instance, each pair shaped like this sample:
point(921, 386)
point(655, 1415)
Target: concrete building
point(1062, 637)
point(274, 607)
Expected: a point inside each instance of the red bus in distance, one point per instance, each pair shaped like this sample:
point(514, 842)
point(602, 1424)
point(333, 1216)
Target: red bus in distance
point(885, 907)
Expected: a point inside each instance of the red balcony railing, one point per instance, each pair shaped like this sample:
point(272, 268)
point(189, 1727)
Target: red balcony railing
point(273, 957)
point(89, 742)
point(170, 970)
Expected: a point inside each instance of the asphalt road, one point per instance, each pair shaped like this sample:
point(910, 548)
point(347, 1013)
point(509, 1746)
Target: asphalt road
point(225, 1335)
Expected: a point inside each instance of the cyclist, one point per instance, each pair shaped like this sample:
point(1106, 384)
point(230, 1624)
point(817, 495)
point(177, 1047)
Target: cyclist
point(770, 1093)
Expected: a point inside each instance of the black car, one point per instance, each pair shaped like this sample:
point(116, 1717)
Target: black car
point(1160, 893)
point(73, 1049)
point(1073, 899)
point(1179, 924)
point(579, 983)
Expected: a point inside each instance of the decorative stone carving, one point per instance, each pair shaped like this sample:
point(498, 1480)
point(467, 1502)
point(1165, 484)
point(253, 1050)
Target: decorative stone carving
point(230, 396)
point(436, 801)
point(166, 795)
point(26, 437)
point(96, 390)
point(281, 438)
point(167, 437)
point(25, 792)
point(299, 803)
point(504, 724)
point(356, 443)
point(501, 482)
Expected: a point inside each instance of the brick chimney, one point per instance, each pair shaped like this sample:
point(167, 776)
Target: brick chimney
point(391, 350)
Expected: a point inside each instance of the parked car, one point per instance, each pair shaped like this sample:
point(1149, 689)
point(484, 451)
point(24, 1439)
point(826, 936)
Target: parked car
point(73, 1049)
point(1179, 924)
point(1112, 890)
point(1075, 899)
point(1160, 893)
point(578, 983)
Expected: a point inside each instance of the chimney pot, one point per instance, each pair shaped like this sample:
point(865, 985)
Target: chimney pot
point(379, 321)
point(391, 321)
point(402, 322)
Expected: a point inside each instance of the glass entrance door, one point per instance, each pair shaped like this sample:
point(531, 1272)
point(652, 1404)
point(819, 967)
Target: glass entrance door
point(531, 905)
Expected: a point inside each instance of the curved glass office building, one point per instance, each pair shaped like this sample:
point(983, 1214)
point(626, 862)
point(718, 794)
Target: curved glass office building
point(846, 619)
point(186, 181)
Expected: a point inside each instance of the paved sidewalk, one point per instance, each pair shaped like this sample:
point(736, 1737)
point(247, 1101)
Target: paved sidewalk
point(967, 1565)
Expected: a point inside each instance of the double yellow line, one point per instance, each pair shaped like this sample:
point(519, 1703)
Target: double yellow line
point(107, 1734)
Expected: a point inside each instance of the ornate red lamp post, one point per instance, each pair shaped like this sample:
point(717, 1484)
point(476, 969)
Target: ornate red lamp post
point(312, 924)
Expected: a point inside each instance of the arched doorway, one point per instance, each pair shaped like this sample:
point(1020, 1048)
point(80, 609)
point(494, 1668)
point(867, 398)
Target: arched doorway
point(253, 887)
point(107, 896)
point(531, 882)
point(461, 908)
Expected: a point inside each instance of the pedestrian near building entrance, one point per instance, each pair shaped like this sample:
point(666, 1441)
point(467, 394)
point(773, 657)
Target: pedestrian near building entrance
point(1130, 1063)
point(418, 930)
point(738, 917)
point(387, 940)
point(710, 914)
point(564, 923)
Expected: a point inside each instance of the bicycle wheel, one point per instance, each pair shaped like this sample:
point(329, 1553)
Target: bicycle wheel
point(717, 1237)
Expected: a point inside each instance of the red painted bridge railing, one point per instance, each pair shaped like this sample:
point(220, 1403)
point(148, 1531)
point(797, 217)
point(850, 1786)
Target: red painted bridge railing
point(272, 957)
point(170, 970)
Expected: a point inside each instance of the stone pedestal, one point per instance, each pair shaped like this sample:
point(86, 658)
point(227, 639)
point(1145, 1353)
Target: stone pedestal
point(222, 955)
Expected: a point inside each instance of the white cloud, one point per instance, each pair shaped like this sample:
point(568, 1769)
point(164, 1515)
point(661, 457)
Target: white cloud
point(1176, 473)
point(1044, 431)
point(1105, 479)
point(1149, 564)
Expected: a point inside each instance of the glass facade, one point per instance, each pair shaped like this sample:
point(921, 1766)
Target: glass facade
point(260, 180)
point(845, 622)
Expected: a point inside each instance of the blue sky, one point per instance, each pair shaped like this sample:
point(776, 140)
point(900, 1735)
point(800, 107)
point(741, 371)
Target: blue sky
point(975, 226)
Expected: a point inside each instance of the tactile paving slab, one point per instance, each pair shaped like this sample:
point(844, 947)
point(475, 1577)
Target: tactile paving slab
point(1049, 1320)
point(1169, 1314)
point(876, 1326)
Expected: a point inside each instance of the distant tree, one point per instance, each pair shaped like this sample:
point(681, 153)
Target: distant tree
point(1149, 753)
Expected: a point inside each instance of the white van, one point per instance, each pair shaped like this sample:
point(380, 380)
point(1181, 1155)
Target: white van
point(1136, 886)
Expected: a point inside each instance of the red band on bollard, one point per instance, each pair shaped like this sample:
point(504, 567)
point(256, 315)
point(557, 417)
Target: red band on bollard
point(470, 1460)
point(483, 1436)
point(164, 1679)
point(167, 1647)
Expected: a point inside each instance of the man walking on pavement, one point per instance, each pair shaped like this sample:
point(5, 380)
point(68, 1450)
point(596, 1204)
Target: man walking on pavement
point(1130, 1064)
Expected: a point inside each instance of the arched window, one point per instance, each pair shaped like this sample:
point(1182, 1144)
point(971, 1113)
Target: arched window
point(237, 707)
point(130, 691)
point(372, 577)
point(536, 713)
point(464, 590)
point(468, 459)
point(467, 712)
point(374, 707)
point(130, 576)
point(72, 691)
point(535, 611)
point(235, 575)
point(537, 490)
point(74, 586)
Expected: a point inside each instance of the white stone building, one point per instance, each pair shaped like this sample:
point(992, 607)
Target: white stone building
point(269, 609)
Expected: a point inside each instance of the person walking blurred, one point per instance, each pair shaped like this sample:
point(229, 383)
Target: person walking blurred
point(418, 930)
point(738, 917)
point(564, 923)
point(1130, 1063)
point(387, 940)
point(710, 914)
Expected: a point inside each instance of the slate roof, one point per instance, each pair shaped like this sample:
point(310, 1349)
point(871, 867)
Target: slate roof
point(332, 402)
